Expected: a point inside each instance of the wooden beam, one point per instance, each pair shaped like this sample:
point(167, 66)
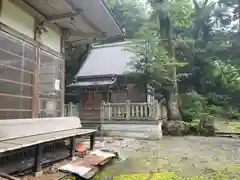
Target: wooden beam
point(59, 17)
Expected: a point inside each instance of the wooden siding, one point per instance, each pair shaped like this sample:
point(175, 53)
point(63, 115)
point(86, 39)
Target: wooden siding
point(90, 102)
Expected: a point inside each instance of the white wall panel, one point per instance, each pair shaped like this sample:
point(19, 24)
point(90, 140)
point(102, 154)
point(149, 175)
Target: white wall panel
point(16, 18)
point(52, 38)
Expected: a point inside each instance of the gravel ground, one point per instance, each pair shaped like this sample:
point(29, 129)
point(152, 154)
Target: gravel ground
point(187, 156)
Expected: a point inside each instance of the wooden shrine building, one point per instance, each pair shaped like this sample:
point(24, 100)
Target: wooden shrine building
point(103, 77)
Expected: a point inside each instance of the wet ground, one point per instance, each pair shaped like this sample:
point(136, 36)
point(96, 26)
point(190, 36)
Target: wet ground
point(197, 158)
point(185, 156)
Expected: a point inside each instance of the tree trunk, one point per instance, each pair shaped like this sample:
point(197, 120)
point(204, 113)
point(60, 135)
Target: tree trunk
point(172, 100)
point(172, 107)
point(165, 28)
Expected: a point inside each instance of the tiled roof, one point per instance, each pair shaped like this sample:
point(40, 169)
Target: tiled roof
point(108, 59)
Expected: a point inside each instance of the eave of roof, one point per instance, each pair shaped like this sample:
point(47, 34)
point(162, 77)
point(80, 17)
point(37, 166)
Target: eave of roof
point(84, 20)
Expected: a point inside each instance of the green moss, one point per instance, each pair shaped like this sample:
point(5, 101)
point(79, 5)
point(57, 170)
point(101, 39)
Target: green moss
point(139, 176)
point(106, 172)
point(163, 145)
point(235, 126)
point(228, 126)
point(222, 175)
point(234, 168)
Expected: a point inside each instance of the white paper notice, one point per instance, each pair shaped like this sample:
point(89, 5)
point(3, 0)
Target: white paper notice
point(50, 107)
point(57, 84)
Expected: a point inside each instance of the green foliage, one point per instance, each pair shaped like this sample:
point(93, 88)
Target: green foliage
point(193, 106)
point(185, 47)
point(152, 63)
point(179, 11)
point(130, 14)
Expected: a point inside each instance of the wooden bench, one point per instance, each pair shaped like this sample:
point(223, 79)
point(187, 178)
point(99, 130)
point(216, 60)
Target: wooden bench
point(16, 134)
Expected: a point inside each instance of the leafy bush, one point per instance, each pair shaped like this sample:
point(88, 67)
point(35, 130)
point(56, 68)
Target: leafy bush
point(193, 106)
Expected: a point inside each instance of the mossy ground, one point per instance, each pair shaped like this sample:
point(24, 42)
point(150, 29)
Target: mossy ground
point(230, 172)
point(223, 125)
point(193, 158)
point(173, 176)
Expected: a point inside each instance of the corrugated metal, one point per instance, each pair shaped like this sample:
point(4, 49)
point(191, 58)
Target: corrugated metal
point(95, 11)
point(107, 59)
point(89, 165)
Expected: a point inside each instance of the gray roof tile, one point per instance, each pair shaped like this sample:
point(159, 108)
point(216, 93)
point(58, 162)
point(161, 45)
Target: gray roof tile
point(108, 59)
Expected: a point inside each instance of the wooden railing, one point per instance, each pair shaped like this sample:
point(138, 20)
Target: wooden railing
point(71, 110)
point(133, 111)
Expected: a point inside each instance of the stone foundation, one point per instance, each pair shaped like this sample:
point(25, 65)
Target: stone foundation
point(140, 129)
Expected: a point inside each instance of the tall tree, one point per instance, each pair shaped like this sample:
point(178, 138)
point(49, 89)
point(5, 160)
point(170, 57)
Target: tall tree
point(163, 16)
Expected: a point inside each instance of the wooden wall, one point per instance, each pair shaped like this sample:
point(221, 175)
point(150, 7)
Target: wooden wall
point(90, 101)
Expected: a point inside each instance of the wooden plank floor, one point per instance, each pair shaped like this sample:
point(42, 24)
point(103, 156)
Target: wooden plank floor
point(13, 144)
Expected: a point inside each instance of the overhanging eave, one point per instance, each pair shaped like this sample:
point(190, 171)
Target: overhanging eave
point(84, 19)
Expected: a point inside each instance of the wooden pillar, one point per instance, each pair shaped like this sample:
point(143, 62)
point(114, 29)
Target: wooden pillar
point(72, 146)
point(128, 110)
point(38, 159)
point(62, 89)
point(64, 37)
point(36, 88)
point(109, 107)
point(36, 85)
point(154, 110)
point(102, 111)
point(92, 141)
point(109, 96)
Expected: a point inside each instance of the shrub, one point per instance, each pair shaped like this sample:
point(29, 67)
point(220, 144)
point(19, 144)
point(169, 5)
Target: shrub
point(193, 106)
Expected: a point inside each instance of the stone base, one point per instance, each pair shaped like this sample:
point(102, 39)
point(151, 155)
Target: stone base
point(38, 174)
point(139, 129)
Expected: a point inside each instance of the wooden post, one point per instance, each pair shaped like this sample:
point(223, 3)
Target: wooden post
point(146, 110)
point(72, 146)
point(102, 117)
point(92, 140)
point(62, 89)
point(128, 110)
point(37, 159)
point(158, 113)
point(70, 109)
point(141, 111)
point(154, 111)
point(102, 111)
point(109, 111)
